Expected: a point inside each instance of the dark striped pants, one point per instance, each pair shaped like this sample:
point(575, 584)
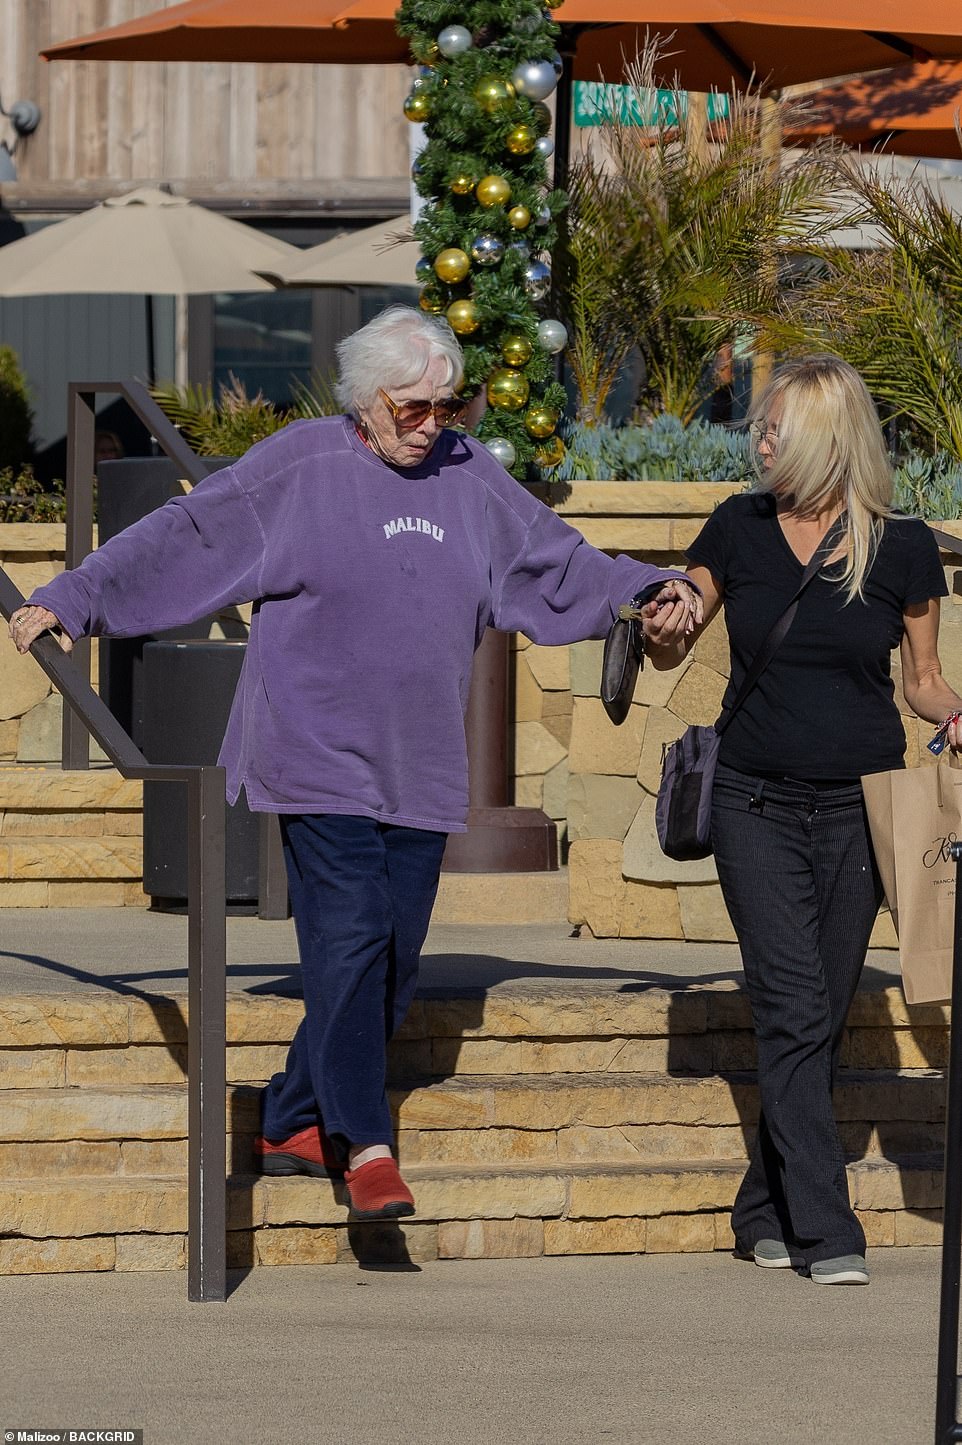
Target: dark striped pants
point(800, 882)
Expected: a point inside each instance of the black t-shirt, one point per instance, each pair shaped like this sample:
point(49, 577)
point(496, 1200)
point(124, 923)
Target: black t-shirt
point(824, 706)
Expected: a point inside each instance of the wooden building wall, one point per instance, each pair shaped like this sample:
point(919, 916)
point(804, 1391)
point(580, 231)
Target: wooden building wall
point(217, 129)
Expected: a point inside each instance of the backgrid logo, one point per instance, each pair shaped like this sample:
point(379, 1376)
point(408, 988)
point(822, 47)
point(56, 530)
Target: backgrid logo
point(67, 1436)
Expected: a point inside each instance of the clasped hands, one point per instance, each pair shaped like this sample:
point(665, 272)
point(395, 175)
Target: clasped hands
point(672, 614)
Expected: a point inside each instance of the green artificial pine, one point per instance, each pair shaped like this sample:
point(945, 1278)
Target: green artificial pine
point(467, 141)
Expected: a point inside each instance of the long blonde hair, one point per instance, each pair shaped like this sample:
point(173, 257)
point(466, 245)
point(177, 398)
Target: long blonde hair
point(829, 450)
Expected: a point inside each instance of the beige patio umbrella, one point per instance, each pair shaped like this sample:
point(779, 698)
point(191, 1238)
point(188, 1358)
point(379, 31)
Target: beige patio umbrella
point(144, 241)
point(370, 257)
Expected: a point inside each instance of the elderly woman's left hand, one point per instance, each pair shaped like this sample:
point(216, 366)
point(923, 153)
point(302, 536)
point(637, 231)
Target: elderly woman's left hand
point(672, 615)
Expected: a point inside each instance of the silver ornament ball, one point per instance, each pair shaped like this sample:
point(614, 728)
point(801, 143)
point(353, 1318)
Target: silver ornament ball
point(521, 247)
point(537, 280)
point(487, 250)
point(502, 450)
point(454, 40)
point(544, 145)
point(534, 78)
point(543, 218)
point(552, 336)
point(423, 270)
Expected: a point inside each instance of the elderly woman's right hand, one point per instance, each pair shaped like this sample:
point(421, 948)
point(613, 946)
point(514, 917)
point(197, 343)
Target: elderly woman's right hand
point(27, 623)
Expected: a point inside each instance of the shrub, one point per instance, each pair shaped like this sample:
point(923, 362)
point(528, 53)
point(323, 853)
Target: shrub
point(228, 425)
point(664, 450)
point(676, 238)
point(16, 413)
point(930, 487)
point(23, 499)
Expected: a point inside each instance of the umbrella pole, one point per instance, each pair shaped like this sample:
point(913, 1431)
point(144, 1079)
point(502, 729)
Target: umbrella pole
point(151, 341)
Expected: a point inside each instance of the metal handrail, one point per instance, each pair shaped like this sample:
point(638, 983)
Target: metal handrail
point(947, 1426)
point(206, 957)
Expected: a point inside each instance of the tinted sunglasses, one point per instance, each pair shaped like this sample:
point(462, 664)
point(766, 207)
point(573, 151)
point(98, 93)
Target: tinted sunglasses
point(408, 415)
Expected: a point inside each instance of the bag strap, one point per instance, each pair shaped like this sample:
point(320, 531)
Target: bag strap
point(778, 633)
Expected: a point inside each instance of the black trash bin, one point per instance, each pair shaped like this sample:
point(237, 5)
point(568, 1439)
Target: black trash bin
point(188, 687)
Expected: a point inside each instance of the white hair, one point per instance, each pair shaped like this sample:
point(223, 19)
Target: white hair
point(395, 349)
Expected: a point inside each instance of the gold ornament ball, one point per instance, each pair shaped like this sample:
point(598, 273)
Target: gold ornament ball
point(417, 106)
point(462, 183)
point(540, 421)
point(452, 265)
point(463, 316)
point(494, 94)
point(553, 4)
point(516, 350)
point(522, 140)
point(519, 217)
point(551, 454)
point(541, 117)
point(432, 300)
point(493, 191)
point(426, 53)
point(507, 389)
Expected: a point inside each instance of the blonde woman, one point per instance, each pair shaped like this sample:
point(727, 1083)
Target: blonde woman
point(788, 825)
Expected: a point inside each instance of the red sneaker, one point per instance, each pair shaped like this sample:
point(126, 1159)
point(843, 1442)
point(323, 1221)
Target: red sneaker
point(308, 1152)
point(377, 1191)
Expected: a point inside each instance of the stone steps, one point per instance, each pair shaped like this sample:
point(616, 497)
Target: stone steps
point(532, 1118)
point(576, 1029)
point(545, 1120)
point(495, 1210)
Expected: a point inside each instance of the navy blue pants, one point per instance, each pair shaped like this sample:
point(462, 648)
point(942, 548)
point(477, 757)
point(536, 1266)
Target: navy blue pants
point(361, 894)
point(800, 881)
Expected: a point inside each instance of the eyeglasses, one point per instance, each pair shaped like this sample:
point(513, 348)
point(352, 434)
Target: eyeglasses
point(760, 434)
point(408, 415)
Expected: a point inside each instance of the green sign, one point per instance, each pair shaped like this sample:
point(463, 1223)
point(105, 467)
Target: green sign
point(596, 102)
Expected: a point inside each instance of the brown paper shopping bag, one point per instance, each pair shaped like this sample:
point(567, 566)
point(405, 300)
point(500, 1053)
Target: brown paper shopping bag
point(914, 815)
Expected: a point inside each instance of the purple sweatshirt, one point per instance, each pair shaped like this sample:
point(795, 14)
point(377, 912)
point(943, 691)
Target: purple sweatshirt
point(372, 587)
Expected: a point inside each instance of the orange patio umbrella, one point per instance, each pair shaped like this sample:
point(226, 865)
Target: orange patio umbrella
point(910, 110)
point(714, 42)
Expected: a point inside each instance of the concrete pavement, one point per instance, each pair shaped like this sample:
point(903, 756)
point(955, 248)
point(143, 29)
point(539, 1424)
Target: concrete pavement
point(636, 1350)
point(639, 1350)
point(59, 950)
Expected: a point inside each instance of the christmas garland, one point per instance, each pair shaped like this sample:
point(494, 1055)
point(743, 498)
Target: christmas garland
point(490, 222)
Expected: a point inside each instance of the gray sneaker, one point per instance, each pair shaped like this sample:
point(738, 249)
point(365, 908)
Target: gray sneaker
point(772, 1254)
point(846, 1269)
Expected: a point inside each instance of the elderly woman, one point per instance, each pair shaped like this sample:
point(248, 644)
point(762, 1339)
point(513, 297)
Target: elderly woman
point(377, 547)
